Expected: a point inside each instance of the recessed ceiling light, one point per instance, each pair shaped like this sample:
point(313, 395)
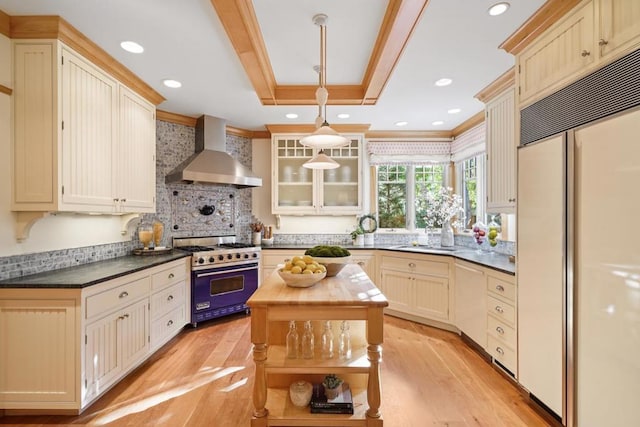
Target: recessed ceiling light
point(437, 123)
point(291, 116)
point(498, 8)
point(402, 123)
point(132, 47)
point(443, 82)
point(174, 84)
point(343, 116)
point(454, 110)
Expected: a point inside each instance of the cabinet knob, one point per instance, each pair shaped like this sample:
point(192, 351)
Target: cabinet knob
point(499, 350)
point(412, 265)
point(171, 276)
point(170, 322)
point(500, 330)
point(116, 200)
point(124, 200)
point(170, 297)
point(585, 53)
point(123, 294)
point(361, 263)
point(603, 42)
point(500, 288)
point(499, 309)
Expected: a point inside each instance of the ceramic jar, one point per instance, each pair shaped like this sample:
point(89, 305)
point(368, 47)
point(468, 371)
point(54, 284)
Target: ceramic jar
point(300, 393)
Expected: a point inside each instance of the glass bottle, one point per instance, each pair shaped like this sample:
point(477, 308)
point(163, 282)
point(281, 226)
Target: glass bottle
point(292, 341)
point(344, 341)
point(307, 341)
point(326, 341)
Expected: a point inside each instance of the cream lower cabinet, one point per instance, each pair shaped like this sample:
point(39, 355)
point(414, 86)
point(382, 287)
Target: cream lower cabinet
point(82, 142)
point(502, 332)
point(367, 261)
point(417, 287)
point(69, 346)
point(471, 297)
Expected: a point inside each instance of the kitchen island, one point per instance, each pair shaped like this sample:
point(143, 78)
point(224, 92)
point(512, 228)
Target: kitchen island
point(349, 296)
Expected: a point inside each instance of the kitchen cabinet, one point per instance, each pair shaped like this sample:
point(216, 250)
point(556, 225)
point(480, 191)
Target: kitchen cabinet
point(418, 286)
point(83, 142)
point(366, 259)
point(297, 190)
point(618, 27)
point(562, 53)
point(333, 299)
point(470, 301)
point(70, 345)
point(501, 144)
point(501, 320)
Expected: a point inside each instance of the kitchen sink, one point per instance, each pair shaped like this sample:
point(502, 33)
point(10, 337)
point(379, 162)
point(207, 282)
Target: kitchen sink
point(424, 248)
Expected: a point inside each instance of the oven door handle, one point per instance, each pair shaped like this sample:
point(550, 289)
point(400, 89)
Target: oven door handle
point(215, 273)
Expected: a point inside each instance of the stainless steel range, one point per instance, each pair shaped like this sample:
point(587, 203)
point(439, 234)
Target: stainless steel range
point(224, 274)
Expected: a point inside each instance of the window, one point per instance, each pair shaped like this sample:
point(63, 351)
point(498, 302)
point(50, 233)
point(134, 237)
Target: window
point(399, 194)
point(470, 174)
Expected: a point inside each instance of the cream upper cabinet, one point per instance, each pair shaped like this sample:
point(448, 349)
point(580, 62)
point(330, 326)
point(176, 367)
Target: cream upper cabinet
point(619, 26)
point(501, 153)
point(83, 142)
point(297, 190)
point(559, 55)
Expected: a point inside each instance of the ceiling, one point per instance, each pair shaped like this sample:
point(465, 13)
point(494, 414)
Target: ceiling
point(186, 41)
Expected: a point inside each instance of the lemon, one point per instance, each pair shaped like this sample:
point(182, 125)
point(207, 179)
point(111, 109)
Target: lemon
point(307, 272)
point(295, 259)
point(308, 259)
point(287, 266)
point(300, 263)
point(296, 269)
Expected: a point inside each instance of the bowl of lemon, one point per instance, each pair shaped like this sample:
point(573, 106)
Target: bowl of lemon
point(334, 258)
point(302, 272)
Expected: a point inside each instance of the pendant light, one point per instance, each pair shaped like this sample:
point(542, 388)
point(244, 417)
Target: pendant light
point(321, 161)
point(324, 136)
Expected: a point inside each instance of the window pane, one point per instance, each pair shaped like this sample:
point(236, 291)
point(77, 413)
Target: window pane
point(428, 178)
point(470, 190)
point(392, 196)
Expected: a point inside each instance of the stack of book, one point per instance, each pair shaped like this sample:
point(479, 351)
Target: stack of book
point(341, 404)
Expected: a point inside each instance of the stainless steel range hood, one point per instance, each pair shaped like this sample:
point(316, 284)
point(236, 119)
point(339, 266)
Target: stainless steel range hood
point(211, 164)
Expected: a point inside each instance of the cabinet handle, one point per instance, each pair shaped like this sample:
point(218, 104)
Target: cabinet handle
point(412, 265)
point(585, 53)
point(171, 276)
point(123, 294)
point(603, 42)
point(116, 200)
point(361, 263)
point(499, 309)
point(170, 297)
point(499, 350)
point(170, 322)
point(124, 200)
point(124, 316)
point(500, 330)
point(500, 288)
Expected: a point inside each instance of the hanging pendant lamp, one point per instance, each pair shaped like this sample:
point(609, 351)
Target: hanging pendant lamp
point(321, 161)
point(324, 136)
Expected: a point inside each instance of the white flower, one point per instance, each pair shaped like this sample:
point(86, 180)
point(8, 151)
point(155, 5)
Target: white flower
point(443, 206)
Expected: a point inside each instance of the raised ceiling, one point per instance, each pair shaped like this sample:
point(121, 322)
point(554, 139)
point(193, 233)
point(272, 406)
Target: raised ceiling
point(187, 41)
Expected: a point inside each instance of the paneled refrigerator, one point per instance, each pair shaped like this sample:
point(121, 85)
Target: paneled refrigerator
point(578, 271)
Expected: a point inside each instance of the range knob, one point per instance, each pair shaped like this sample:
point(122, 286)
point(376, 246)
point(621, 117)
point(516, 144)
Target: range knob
point(255, 255)
point(200, 260)
point(246, 256)
point(238, 256)
point(220, 257)
point(211, 259)
point(230, 256)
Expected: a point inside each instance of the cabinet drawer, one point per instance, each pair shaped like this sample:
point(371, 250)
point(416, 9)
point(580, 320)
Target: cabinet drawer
point(502, 353)
point(115, 297)
point(167, 326)
point(501, 331)
point(271, 260)
point(501, 310)
point(410, 265)
point(501, 287)
point(167, 276)
point(166, 300)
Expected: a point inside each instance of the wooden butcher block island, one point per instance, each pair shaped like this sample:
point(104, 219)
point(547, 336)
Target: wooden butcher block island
point(349, 296)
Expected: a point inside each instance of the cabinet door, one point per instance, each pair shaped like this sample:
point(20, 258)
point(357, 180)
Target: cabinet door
point(398, 288)
point(471, 302)
point(135, 333)
point(431, 297)
point(501, 153)
point(292, 184)
point(102, 358)
point(366, 262)
point(556, 58)
point(619, 26)
point(340, 187)
point(89, 102)
point(135, 164)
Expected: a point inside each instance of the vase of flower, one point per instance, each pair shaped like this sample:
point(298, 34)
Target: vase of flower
point(446, 235)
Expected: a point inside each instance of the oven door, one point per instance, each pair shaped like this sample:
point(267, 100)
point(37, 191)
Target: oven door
point(222, 290)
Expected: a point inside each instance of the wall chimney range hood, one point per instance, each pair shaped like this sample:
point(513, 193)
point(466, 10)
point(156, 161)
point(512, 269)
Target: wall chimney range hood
point(211, 164)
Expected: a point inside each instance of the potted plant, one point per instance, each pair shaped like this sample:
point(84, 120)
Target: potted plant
point(357, 236)
point(331, 384)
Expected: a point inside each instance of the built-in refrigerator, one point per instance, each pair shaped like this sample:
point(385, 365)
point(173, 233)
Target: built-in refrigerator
point(578, 244)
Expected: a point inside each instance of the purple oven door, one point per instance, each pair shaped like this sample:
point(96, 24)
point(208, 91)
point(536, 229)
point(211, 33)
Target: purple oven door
point(222, 290)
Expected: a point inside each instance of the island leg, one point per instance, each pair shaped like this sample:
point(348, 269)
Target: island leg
point(374, 354)
point(259, 340)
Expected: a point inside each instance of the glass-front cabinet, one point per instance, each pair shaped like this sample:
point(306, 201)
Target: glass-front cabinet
point(298, 190)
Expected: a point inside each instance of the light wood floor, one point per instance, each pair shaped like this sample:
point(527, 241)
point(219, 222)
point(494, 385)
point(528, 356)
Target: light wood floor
point(204, 377)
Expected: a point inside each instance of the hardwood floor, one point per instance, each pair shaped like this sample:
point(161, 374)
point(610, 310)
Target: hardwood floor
point(204, 377)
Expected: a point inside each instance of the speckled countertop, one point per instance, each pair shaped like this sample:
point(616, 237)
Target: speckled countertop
point(85, 275)
point(493, 260)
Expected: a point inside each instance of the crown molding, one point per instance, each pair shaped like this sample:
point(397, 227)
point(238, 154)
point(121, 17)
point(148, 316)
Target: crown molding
point(548, 14)
point(471, 122)
point(241, 25)
point(309, 128)
point(496, 87)
point(5, 24)
point(180, 119)
point(55, 27)
point(408, 134)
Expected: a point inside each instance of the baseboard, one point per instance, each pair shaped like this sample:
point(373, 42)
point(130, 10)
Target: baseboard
point(422, 320)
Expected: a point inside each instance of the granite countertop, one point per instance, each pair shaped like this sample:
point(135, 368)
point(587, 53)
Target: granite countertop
point(493, 260)
point(85, 275)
